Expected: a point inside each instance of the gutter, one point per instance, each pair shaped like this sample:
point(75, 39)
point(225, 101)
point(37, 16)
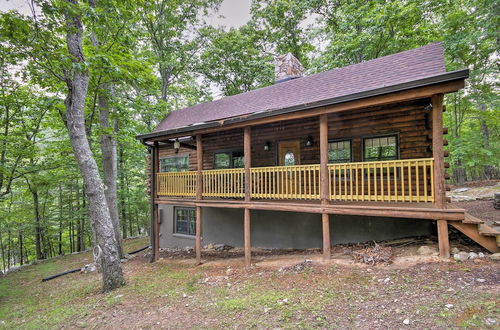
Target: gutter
point(442, 78)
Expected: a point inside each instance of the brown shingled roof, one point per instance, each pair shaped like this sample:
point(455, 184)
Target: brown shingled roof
point(395, 69)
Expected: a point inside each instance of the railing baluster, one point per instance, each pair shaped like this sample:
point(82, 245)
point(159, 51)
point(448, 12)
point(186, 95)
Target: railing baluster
point(417, 180)
point(410, 182)
point(425, 181)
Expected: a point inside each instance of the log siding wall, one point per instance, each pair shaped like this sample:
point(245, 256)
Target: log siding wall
point(410, 121)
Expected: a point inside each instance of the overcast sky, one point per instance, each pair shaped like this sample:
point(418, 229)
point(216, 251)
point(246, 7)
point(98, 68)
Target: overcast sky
point(232, 13)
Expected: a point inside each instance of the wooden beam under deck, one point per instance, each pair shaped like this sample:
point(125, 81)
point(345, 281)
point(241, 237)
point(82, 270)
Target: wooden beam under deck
point(391, 210)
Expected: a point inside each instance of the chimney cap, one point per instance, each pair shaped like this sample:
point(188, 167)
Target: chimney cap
point(287, 67)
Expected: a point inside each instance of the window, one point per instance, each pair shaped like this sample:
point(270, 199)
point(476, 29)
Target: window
point(229, 159)
point(289, 158)
point(174, 164)
point(185, 220)
point(339, 151)
point(380, 148)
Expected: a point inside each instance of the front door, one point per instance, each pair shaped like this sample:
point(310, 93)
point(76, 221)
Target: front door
point(289, 153)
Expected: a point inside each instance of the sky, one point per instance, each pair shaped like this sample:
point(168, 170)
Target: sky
point(232, 13)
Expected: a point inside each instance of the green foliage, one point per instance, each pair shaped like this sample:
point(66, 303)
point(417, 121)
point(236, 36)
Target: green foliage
point(235, 60)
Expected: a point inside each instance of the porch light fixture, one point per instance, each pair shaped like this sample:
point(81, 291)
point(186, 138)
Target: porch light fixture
point(177, 145)
point(267, 146)
point(309, 141)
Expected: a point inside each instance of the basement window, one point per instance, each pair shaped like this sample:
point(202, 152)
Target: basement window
point(174, 164)
point(185, 220)
point(229, 159)
point(339, 151)
point(380, 148)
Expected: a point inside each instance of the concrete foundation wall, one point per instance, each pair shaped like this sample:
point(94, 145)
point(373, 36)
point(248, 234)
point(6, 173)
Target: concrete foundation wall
point(273, 229)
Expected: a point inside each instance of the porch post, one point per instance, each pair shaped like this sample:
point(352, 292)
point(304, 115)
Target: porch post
point(248, 161)
point(155, 230)
point(199, 195)
point(324, 182)
point(439, 184)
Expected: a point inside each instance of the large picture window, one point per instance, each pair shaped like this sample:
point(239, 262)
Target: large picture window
point(185, 220)
point(380, 148)
point(339, 151)
point(174, 164)
point(229, 159)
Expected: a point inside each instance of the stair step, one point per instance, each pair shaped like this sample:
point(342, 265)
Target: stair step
point(487, 230)
point(489, 242)
point(472, 219)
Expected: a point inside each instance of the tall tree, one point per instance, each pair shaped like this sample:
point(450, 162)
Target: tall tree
point(77, 81)
point(171, 30)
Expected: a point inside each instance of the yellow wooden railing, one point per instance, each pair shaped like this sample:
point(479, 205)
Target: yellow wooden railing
point(285, 182)
point(177, 183)
point(224, 183)
point(409, 180)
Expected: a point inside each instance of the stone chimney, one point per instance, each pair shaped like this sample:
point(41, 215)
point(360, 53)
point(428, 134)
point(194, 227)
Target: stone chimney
point(287, 67)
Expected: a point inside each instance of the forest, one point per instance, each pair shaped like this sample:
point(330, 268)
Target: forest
point(143, 59)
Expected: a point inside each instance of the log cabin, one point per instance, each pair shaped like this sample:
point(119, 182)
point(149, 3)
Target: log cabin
point(348, 155)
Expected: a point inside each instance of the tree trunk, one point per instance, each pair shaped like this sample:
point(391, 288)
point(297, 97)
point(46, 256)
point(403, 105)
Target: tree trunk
point(459, 173)
point(60, 220)
point(121, 171)
point(78, 81)
point(109, 162)
point(71, 214)
point(9, 248)
point(2, 251)
point(38, 230)
point(20, 241)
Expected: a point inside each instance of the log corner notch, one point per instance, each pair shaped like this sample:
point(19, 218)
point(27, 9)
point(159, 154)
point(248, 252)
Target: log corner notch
point(325, 218)
point(439, 173)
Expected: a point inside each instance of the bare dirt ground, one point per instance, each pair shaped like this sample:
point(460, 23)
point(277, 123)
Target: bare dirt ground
point(476, 198)
point(482, 209)
point(283, 289)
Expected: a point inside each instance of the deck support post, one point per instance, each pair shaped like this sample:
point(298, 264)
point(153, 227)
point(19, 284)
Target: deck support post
point(248, 248)
point(443, 240)
point(155, 230)
point(439, 184)
point(248, 161)
point(324, 183)
point(197, 246)
point(199, 195)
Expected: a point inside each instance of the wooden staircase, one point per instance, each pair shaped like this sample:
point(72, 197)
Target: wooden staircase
point(476, 229)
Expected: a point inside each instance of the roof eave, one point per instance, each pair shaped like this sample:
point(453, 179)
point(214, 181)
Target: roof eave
point(446, 77)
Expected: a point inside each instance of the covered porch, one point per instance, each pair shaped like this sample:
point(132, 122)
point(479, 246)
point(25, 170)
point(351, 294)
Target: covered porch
point(409, 180)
